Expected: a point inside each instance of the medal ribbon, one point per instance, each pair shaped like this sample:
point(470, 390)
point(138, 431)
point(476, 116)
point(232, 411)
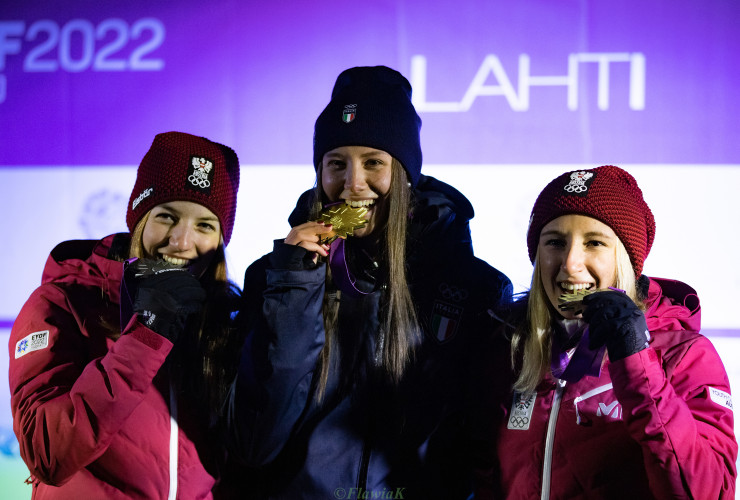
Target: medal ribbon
point(584, 361)
point(340, 271)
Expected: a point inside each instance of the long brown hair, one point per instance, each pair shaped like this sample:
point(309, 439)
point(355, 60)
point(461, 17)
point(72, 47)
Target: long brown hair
point(399, 327)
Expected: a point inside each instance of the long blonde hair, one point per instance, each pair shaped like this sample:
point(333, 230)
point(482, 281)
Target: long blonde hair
point(400, 329)
point(532, 338)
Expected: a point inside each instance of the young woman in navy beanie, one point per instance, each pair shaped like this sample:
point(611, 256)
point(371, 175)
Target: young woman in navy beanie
point(616, 394)
point(120, 360)
point(355, 378)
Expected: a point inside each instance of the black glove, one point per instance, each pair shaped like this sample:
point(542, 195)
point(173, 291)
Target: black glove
point(165, 297)
point(615, 320)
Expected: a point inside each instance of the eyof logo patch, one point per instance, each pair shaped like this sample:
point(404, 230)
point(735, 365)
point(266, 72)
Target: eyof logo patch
point(579, 183)
point(445, 320)
point(349, 113)
point(32, 342)
point(200, 174)
point(521, 411)
point(721, 398)
point(144, 194)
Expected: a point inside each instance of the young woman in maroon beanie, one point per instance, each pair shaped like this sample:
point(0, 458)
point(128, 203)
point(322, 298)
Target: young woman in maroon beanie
point(616, 394)
point(119, 360)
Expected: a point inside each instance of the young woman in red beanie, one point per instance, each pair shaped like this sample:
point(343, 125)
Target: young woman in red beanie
point(119, 360)
point(616, 394)
point(354, 381)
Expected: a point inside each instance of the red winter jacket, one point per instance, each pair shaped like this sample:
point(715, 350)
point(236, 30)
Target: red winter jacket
point(92, 415)
point(657, 424)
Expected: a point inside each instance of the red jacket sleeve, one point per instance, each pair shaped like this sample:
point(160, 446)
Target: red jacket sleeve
point(71, 397)
point(682, 417)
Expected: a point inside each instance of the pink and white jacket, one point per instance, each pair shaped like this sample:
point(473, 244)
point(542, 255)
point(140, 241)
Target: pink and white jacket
point(657, 424)
point(97, 418)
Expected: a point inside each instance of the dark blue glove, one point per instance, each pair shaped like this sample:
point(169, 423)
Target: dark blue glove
point(165, 297)
point(615, 320)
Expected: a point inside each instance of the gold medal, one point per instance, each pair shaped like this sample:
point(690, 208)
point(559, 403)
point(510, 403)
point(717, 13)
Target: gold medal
point(573, 300)
point(344, 219)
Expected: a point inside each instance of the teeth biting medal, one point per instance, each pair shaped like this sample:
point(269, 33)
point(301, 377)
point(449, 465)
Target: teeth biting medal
point(344, 219)
point(574, 300)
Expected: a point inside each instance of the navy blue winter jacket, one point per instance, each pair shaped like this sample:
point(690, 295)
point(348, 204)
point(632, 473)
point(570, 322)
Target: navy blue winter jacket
point(367, 437)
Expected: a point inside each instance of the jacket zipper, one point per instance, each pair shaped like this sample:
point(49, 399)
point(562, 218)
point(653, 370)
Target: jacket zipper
point(364, 464)
point(549, 441)
point(173, 444)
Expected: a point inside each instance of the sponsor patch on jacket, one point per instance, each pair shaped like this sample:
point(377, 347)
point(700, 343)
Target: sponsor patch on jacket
point(521, 411)
point(722, 398)
point(445, 320)
point(598, 402)
point(32, 342)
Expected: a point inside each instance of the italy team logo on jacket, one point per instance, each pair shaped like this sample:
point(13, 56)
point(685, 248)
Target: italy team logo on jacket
point(445, 319)
point(446, 316)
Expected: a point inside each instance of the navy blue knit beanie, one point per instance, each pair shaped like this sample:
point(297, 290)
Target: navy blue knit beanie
point(371, 106)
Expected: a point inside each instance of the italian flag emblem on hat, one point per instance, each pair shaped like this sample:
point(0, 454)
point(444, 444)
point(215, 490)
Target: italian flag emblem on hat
point(349, 113)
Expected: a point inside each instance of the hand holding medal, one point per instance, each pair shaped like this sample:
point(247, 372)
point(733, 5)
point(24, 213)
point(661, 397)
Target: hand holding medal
point(338, 220)
point(343, 218)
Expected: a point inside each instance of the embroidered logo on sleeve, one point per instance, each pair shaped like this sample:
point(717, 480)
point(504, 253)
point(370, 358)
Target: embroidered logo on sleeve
point(521, 411)
point(721, 398)
point(32, 342)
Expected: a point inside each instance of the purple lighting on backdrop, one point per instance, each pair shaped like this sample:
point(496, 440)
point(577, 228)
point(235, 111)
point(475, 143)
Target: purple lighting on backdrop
point(652, 86)
point(542, 83)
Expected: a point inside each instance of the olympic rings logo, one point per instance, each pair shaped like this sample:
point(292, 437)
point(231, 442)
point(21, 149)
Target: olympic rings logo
point(201, 183)
point(518, 422)
point(577, 188)
point(453, 292)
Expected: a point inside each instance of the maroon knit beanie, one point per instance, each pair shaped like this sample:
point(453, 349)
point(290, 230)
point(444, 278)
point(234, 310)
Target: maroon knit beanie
point(608, 194)
point(183, 167)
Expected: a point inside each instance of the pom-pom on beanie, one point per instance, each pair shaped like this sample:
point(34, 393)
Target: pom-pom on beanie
point(608, 194)
point(371, 106)
point(184, 167)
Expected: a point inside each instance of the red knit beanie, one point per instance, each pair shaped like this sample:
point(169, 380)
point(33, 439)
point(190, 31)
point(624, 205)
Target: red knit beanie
point(183, 167)
point(608, 194)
